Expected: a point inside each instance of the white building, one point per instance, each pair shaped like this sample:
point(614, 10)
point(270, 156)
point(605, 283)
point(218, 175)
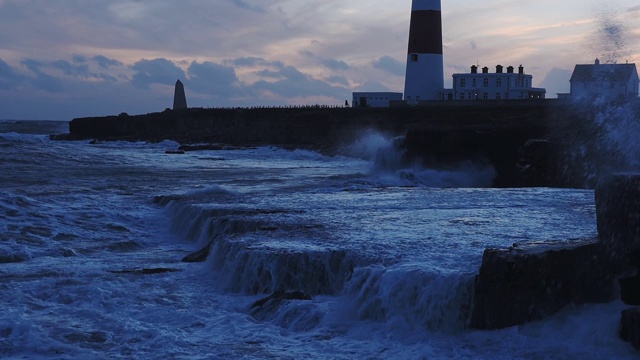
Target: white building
point(493, 86)
point(613, 81)
point(374, 99)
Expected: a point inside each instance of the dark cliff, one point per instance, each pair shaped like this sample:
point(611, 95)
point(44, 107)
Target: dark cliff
point(530, 143)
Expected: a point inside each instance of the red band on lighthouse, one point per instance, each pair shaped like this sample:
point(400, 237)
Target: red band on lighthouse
point(425, 34)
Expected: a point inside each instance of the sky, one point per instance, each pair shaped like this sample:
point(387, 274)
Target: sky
point(62, 59)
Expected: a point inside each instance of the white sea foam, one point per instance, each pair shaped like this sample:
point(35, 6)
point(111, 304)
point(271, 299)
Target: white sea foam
point(388, 267)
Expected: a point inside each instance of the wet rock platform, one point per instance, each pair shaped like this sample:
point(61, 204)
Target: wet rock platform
point(533, 280)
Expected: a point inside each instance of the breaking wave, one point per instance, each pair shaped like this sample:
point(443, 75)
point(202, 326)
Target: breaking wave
point(390, 166)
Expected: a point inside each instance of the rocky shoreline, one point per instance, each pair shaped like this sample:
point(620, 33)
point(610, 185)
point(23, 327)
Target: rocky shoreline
point(552, 143)
point(532, 143)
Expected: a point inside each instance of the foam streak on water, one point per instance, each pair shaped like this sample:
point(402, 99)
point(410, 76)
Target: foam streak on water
point(388, 258)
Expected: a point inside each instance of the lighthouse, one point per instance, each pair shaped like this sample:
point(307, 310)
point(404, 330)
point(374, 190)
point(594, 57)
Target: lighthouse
point(424, 78)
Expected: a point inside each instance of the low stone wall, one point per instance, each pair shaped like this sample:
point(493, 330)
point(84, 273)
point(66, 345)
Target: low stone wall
point(552, 143)
point(630, 326)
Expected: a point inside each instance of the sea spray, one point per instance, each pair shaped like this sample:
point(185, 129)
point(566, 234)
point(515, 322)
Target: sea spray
point(610, 39)
point(391, 166)
point(369, 144)
point(619, 124)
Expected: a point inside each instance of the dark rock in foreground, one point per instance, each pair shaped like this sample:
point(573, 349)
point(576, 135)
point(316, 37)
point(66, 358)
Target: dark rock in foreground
point(618, 212)
point(200, 255)
point(630, 326)
point(630, 290)
point(281, 295)
point(531, 281)
point(266, 308)
point(150, 271)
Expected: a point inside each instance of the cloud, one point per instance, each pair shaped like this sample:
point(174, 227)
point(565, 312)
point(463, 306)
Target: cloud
point(246, 61)
point(156, 71)
point(49, 83)
point(43, 80)
point(294, 83)
point(33, 64)
point(372, 86)
point(252, 62)
point(9, 78)
point(335, 65)
point(556, 81)
point(79, 68)
point(273, 74)
point(245, 5)
point(329, 63)
point(105, 63)
point(338, 79)
point(390, 65)
point(634, 9)
point(213, 79)
point(81, 71)
point(79, 59)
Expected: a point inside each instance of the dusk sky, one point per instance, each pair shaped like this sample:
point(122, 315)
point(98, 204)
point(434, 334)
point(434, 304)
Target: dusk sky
point(61, 59)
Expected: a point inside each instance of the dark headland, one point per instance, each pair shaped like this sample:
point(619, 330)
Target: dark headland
point(555, 143)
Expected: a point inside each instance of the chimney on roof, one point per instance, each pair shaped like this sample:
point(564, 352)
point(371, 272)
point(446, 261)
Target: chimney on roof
point(521, 70)
point(597, 61)
point(474, 69)
point(499, 69)
point(509, 69)
point(485, 70)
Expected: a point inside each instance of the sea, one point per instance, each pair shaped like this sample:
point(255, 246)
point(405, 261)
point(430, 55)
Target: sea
point(92, 236)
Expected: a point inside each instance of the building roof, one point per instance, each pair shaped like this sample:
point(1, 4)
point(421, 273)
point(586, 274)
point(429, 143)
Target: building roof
point(603, 72)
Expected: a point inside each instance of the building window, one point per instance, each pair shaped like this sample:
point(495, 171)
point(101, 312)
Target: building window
point(499, 82)
point(461, 96)
point(414, 57)
point(497, 96)
point(474, 82)
point(485, 96)
point(485, 82)
point(463, 82)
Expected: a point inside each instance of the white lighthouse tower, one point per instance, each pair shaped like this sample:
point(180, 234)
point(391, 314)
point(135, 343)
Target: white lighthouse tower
point(425, 66)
